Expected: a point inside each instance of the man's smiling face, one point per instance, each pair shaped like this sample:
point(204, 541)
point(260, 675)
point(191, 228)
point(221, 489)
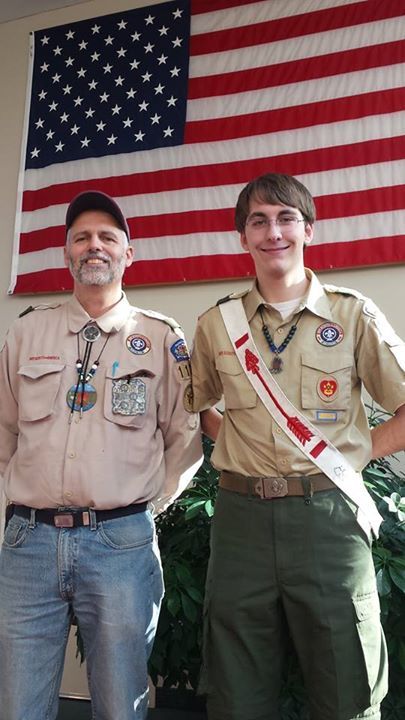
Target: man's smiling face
point(97, 250)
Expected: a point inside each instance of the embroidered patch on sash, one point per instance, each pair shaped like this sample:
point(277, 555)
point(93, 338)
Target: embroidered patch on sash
point(329, 334)
point(138, 344)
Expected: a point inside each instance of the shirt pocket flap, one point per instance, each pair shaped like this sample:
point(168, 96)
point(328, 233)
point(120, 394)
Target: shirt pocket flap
point(228, 364)
point(238, 392)
point(326, 380)
point(327, 364)
point(38, 389)
point(38, 370)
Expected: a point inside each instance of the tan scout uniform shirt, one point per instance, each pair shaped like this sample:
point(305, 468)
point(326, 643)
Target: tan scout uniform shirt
point(105, 459)
point(322, 381)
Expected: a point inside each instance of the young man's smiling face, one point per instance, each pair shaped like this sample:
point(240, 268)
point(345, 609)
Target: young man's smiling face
point(97, 250)
point(275, 236)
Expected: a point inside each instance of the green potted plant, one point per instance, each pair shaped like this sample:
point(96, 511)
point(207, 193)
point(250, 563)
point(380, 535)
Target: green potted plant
point(184, 543)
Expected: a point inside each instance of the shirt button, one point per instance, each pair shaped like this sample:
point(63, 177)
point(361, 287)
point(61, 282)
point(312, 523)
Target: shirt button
point(68, 494)
point(278, 431)
point(284, 462)
point(280, 330)
point(72, 454)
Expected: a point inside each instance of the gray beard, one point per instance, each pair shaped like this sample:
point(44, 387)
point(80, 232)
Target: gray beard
point(100, 275)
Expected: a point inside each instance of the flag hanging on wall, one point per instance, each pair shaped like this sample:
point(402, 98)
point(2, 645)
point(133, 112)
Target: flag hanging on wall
point(172, 108)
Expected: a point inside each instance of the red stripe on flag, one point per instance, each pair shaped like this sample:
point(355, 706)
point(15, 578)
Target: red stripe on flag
point(289, 118)
point(309, 161)
point(389, 250)
point(295, 26)
point(337, 63)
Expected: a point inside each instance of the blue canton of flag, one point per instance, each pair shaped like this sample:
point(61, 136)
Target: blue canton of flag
point(110, 85)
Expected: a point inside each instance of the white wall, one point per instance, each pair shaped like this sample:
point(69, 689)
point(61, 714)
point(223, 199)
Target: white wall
point(184, 302)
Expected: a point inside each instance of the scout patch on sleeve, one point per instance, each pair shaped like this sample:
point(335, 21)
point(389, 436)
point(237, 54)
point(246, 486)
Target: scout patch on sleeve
point(129, 396)
point(188, 398)
point(179, 350)
point(184, 370)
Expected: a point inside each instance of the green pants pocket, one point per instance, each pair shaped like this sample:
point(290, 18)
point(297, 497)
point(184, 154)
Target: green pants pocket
point(373, 646)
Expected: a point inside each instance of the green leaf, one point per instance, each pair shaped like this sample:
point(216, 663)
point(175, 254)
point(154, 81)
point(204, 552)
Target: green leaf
point(397, 577)
point(195, 594)
point(173, 604)
point(209, 508)
point(189, 608)
point(383, 582)
point(183, 573)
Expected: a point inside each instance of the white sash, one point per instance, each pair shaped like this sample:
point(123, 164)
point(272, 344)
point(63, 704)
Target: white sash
point(315, 446)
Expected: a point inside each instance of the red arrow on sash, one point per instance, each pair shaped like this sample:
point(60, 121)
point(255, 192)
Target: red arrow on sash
point(293, 423)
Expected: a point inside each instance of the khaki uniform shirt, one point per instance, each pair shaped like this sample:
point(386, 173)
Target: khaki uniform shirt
point(118, 452)
point(342, 342)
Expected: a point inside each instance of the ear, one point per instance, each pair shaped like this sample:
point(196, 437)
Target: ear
point(129, 254)
point(309, 234)
point(65, 256)
point(243, 241)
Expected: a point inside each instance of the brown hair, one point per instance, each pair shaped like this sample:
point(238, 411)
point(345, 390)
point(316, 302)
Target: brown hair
point(274, 189)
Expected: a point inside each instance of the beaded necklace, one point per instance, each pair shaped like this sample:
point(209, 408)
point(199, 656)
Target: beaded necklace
point(277, 363)
point(83, 390)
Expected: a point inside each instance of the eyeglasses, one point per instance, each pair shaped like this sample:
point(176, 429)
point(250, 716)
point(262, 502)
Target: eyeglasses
point(259, 223)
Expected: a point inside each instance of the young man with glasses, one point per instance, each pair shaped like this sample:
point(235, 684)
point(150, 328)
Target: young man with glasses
point(293, 524)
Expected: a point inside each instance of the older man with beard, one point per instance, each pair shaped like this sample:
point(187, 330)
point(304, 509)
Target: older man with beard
point(96, 432)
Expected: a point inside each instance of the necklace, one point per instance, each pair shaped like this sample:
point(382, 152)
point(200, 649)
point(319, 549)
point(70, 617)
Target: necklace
point(277, 363)
point(83, 395)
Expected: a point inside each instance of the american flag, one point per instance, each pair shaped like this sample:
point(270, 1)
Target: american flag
point(172, 108)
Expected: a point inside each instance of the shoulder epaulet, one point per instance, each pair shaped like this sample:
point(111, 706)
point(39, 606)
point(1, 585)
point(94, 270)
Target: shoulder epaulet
point(344, 291)
point(159, 316)
point(31, 308)
point(232, 296)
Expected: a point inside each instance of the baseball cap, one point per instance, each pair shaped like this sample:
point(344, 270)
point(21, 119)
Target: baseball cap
point(95, 200)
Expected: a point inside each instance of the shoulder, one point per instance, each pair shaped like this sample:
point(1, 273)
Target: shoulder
point(367, 305)
point(213, 310)
point(159, 317)
point(42, 307)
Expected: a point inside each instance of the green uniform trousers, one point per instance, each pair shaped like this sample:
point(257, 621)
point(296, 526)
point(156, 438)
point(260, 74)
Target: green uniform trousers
point(289, 567)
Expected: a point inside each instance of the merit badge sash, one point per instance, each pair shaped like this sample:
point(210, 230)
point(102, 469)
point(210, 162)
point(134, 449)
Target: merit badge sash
point(315, 446)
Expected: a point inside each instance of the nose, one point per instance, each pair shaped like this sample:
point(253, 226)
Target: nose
point(94, 242)
point(274, 230)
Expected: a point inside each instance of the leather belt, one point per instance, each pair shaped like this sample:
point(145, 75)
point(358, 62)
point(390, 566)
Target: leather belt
point(270, 488)
point(73, 517)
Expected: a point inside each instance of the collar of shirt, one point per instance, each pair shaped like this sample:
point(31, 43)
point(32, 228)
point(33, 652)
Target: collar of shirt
point(112, 321)
point(316, 299)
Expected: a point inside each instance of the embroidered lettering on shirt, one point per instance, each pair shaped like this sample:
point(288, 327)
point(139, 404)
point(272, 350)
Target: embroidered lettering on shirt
point(44, 357)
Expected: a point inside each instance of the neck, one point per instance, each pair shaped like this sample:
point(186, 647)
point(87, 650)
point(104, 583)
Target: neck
point(280, 289)
point(97, 300)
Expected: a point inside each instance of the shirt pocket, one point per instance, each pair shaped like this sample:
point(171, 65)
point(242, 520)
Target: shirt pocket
point(39, 387)
point(326, 380)
point(238, 392)
point(129, 396)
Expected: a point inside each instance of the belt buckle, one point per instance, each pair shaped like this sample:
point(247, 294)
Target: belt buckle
point(268, 488)
point(63, 520)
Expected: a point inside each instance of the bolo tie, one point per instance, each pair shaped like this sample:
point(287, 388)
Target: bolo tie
point(277, 363)
point(83, 396)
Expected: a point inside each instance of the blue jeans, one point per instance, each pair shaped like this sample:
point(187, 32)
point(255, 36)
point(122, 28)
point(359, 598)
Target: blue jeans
point(109, 575)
